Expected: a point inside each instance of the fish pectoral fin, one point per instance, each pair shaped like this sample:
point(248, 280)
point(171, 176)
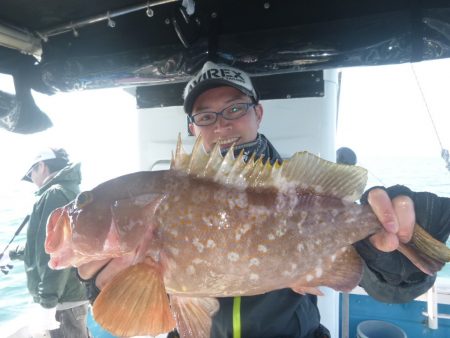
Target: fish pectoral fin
point(135, 303)
point(341, 271)
point(193, 315)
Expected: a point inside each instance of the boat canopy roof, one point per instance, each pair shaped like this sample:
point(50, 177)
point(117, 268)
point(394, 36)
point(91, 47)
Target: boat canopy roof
point(52, 45)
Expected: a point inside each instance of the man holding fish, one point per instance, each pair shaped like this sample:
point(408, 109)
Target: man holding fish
point(249, 283)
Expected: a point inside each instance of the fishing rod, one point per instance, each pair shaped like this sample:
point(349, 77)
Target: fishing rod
point(445, 154)
point(5, 269)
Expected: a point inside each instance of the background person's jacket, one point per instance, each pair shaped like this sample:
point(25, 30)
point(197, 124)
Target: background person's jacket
point(50, 287)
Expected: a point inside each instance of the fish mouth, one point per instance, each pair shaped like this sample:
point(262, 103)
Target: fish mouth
point(225, 143)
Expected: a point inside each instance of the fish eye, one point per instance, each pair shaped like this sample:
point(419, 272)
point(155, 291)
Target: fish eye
point(84, 199)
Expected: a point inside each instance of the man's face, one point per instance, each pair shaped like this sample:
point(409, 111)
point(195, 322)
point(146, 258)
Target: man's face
point(226, 132)
point(39, 173)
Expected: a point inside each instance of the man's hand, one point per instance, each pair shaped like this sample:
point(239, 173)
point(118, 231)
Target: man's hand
point(397, 217)
point(5, 263)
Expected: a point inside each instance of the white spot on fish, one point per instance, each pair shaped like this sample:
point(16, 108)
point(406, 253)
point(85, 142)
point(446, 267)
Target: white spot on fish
point(199, 246)
point(246, 227)
point(241, 200)
point(271, 237)
point(208, 220)
point(190, 270)
point(309, 278)
point(303, 216)
point(333, 258)
point(254, 261)
point(319, 271)
point(242, 230)
point(210, 244)
point(262, 248)
point(254, 277)
point(281, 231)
point(198, 261)
point(300, 247)
point(318, 242)
point(173, 232)
point(293, 266)
point(223, 220)
point(174, 251)
point(233, 256)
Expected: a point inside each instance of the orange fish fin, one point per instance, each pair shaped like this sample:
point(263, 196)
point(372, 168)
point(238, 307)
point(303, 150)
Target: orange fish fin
point(135, 303)
point(193, 315)
point(305, 171)
point(307, 289)
point(57, 228)
point(341, 272)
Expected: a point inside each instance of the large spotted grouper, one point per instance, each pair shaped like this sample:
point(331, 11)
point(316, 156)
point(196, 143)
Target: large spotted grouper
point(215, 226)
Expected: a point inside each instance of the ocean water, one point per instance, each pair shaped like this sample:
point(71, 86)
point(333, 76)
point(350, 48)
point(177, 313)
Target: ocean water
point(428, 174)
point(15, 302)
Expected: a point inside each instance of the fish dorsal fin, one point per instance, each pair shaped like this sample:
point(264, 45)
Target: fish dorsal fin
point(303, 172)
point(180, 159)
point(310, 172)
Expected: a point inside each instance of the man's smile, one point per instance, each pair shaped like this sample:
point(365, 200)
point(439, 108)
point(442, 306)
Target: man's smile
point(226, 142)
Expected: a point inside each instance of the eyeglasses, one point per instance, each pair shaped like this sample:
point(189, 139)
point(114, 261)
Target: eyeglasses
point(31, 170)
point(232, 112)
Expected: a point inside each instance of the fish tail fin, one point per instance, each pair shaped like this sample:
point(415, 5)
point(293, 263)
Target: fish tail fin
point(423, 262)
point(128, 309)
point(425, 252)
point(341, 271)
point(430, 246)
point(58, 229)
point(193, 315)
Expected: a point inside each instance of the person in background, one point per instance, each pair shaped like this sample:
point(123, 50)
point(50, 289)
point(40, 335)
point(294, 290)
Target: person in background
point(346, 155)
point(61, 291)
point(223, 106)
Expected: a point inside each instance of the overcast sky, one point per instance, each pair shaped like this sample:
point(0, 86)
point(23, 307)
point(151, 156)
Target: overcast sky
point(382, 111)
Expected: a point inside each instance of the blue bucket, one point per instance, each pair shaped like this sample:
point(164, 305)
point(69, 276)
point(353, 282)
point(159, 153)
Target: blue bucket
point(379, 329)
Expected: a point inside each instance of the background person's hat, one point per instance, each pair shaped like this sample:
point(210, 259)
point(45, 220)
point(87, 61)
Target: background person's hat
point(215, 75)
point(45, 154)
